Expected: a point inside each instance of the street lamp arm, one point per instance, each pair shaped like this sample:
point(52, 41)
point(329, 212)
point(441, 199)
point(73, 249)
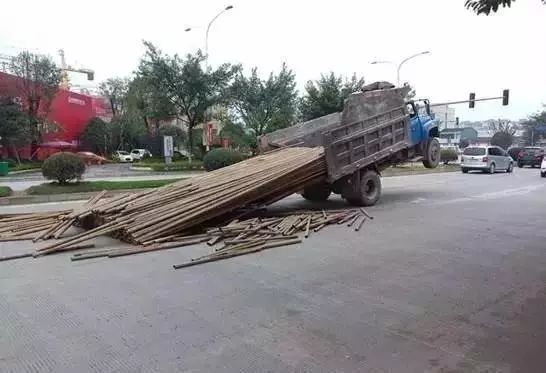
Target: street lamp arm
point(406, 60)
point(208, 28)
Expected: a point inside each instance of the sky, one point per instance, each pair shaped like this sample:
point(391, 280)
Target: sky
point(468, 53)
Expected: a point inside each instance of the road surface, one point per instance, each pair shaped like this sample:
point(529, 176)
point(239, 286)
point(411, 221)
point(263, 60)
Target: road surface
point(448, 277)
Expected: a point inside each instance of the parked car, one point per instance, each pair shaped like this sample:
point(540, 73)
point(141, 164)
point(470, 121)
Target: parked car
point(543, 167)
point(139, 154)
point(91, 158)
point(487, 159)
point(122, 156)
point(530, 156)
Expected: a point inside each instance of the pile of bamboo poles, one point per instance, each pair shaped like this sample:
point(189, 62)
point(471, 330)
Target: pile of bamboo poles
point(167, 217)
point(176, 209)
point(242, 237)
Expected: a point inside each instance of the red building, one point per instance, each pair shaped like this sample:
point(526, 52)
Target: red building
point(69, 111)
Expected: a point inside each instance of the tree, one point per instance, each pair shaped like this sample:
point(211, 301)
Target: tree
point(115, 90)
point(534, 127)
point(191, 89)
point(13, 125)
point(179, 136)
point(503, 132)
point(502, 139)
point(488, 6)
point(327, 95)
point(148, 104)
point(38, 84)
point(265, 105)
point(97, 136)
point(503, 125)
point(239, 136)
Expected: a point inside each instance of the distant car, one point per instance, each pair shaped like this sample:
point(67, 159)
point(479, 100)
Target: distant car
point(122, 156)
point(139, 154)
point(90, 158)
point(530, 156)
point(514, 151)
point(487, 159)
point(543, 167)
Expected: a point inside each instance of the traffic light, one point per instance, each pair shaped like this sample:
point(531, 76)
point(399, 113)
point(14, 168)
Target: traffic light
point(505, 96)
point(457, 121)
point(471, 102)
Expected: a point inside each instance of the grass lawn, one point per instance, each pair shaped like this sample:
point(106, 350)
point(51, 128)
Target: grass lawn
point(5, 191)
point(418, 168)
point(25, 166)
point(96, 186)
point(159, 165)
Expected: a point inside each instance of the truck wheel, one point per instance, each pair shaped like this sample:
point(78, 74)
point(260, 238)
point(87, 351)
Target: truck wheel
point(368, 192)
point(317, 192)
point(432, 153)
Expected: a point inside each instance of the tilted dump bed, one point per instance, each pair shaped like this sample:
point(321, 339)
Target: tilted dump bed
point(353, 146)
point(373, 125)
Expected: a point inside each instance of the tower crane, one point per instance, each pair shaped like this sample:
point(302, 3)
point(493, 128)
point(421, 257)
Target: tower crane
point(65, 68)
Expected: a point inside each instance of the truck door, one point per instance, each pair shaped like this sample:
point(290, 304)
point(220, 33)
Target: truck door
point(415, 124)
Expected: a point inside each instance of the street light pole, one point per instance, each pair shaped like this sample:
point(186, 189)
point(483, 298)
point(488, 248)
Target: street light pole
point(208, 29)
point(404, 61)
point(377, 62)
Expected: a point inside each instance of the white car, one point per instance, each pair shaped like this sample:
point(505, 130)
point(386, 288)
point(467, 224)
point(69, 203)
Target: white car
point(543, 167)
point(122, 156)
point(139, 154)
point(486, 159)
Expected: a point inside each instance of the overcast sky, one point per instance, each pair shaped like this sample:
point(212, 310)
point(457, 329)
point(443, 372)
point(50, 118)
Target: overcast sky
point(468, 52)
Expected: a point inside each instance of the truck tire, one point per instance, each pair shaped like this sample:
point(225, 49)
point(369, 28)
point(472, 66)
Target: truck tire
point(317, 192)
point(368, 192)
point(431, 156)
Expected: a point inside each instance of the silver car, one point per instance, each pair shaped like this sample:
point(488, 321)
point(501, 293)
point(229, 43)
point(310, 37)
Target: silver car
point(487, 159)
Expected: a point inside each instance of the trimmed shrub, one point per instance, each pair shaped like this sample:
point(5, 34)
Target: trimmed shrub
point(448, 155)
point(218, 158)
point(63, 167)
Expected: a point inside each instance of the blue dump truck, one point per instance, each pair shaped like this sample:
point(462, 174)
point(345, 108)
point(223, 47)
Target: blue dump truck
point(378, 127)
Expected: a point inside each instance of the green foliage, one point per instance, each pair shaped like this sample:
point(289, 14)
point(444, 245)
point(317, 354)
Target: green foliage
point(63, 167)
point(5, 191)
point(448, 155)
point(327, 95)
point(488, 6)
point(39, 83)
point(218, 158)
point(191, 90)
point(502, 139)
point(14, 129)
point(97, 136)
point(96, 186)
point(115, 90)
point(531, 134)
point(180, 137)
point(238, 136)
point(265, 105)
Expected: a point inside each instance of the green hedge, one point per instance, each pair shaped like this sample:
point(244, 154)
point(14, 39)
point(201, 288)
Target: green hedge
point(448, 155)
point(63, 167)
point(218, 158)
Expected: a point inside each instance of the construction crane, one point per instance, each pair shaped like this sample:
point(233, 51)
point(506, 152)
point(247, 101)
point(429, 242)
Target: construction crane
point(65, 68)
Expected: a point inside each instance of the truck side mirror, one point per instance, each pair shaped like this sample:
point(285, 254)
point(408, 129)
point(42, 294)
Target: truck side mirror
point(427, 108)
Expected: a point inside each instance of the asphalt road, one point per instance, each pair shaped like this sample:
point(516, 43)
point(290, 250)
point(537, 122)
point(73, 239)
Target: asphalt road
point(448, 277)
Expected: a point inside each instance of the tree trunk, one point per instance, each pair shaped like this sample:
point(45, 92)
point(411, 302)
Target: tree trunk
point(16, 152)
point(190, 142)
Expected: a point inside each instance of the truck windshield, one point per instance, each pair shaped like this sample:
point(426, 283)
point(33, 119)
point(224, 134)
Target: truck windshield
point(474, 151)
